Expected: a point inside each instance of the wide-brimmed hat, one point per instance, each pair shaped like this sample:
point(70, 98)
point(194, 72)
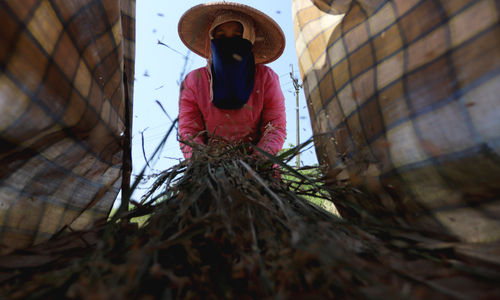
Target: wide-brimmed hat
point(195, 24)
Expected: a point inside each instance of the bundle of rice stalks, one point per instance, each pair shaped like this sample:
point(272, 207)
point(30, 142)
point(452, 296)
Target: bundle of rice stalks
point(226, 225)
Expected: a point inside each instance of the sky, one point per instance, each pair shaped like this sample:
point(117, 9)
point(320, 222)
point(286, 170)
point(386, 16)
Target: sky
point(159, 69)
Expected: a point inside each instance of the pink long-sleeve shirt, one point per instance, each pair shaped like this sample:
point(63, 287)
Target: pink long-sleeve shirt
point(262, 121)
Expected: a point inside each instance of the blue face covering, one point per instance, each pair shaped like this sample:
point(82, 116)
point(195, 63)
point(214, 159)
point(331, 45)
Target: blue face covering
point(233, 72)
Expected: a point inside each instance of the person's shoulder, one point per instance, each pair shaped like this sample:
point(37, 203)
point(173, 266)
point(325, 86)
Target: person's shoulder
point(264, 68)
point(197, 72)
point(195, 75)
point(265, 71)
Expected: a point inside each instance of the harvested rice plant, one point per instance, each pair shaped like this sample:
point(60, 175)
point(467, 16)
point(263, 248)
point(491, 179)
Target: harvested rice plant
point(225, 225)
point(403, 100)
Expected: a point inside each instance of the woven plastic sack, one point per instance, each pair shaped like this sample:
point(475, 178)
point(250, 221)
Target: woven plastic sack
point(404, 98)
point(63, 99)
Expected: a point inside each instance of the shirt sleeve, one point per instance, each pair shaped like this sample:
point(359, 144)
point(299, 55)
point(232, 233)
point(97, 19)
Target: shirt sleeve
point(191, 124)
point(273, 121)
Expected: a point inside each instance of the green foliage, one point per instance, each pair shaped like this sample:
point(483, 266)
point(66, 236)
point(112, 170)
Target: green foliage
point(297, 184)
point(308, 191)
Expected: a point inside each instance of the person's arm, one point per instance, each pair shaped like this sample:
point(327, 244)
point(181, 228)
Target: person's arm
point(191, 125)
point(273, 121)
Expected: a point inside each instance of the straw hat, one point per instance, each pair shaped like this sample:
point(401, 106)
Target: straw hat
point(195, 23)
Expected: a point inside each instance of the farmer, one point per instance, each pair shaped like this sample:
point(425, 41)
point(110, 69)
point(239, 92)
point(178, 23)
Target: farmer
point(235, 97)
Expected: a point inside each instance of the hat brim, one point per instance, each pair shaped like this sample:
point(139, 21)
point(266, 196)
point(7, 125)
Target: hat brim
point(194, 25)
